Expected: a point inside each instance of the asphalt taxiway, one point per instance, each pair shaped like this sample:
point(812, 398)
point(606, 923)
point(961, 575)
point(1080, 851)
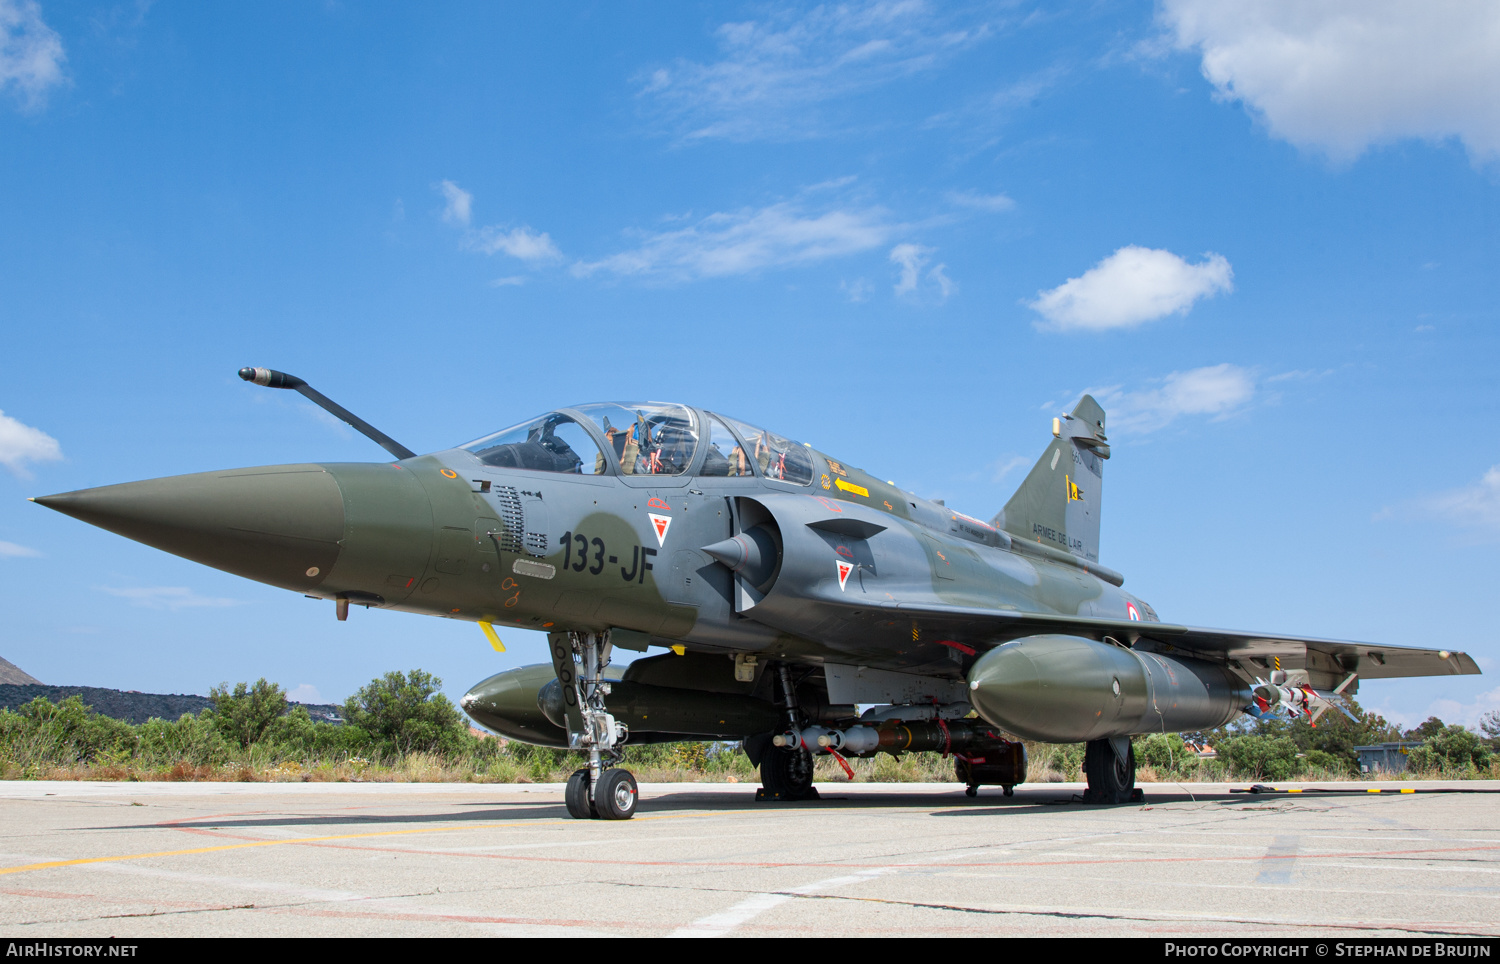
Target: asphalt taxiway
point(255, 859)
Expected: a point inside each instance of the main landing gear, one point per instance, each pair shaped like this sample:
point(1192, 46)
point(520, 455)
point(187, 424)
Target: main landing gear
point(786, 770)
point(1111, 773)
point(602, 789)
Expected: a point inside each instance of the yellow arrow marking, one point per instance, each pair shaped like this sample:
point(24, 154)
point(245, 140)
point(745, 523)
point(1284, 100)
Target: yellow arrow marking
point(851, 487)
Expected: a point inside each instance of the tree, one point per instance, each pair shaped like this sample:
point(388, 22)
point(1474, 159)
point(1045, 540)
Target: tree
point(1431, 727)
point(1334, 736)
point(1489, 725)
point(244, 715)
point(405, 713)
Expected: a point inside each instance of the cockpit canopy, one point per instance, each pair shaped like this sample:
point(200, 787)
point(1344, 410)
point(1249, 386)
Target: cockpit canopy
point(643, 438)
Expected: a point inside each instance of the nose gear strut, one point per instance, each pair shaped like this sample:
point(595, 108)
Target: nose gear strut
point(602, 789)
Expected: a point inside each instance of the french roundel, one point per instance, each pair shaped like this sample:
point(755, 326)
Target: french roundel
point(1132, 612)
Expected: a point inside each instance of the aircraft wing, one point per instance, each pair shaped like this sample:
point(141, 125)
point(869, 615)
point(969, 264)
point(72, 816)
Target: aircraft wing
point(1331, 659)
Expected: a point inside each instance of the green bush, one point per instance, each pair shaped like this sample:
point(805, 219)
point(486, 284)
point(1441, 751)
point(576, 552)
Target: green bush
point(1452, 748)
point(195, 740)
point(1319, 760)
point(71, 732)
point(1165, 753)
point(1260, 757)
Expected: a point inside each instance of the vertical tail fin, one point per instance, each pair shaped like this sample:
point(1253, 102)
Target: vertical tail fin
point(1058, 504)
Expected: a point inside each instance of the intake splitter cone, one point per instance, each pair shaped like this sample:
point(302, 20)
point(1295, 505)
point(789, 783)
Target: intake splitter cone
point(278, 524)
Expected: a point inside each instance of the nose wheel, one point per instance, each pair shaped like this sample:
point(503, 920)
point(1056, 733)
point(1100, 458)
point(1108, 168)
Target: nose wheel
point(616, 795)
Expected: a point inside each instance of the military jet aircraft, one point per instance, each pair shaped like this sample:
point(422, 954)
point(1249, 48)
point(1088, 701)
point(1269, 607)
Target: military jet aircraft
point(788, 588)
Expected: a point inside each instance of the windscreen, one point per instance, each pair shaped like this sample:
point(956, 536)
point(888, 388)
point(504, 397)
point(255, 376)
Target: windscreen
point(552, 443)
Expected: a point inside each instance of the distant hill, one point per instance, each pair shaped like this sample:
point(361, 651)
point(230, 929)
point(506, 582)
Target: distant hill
point(13, 675)
point(128, 706)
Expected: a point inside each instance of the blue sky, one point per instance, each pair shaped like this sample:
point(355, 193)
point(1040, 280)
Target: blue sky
point(1265, 235)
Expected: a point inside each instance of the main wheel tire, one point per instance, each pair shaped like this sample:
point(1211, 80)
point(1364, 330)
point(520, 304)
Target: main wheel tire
point(576, 796)
point(1110, 779)
point(787, 771)
point(616, 795)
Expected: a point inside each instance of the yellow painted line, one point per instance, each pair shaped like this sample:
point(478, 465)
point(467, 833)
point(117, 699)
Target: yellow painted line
point(50, 864)
point(1295, 790)
point(1408, 791)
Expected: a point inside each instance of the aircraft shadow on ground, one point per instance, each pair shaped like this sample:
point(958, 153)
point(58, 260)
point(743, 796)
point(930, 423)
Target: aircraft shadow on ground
point(947, 805)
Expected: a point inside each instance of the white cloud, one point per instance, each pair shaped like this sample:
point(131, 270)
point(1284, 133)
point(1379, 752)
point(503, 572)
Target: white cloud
point(993, 203)
point(31, 53)
point(1217, 390)
point(1340, 75)
point(772, 73)
point(779, 235)
point(1474, 506)
point(20, 444)
point(939, 277)
point(1005, 466)
point(11, 550)
point(1447, 710)
point(522, 243)
point(167, 597)
point(911, 259)
point(305, 693)
point(459, 203)
point(508, 281)
point(1131, 286)
point(857, 291)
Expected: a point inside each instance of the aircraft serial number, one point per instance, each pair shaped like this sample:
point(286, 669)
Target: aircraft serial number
point(591, 554)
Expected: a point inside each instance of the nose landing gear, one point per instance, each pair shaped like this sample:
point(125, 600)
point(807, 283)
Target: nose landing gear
point(602, 789)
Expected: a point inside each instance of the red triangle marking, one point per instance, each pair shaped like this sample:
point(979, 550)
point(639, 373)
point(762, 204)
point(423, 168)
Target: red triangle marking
point(844, 569)
point(660, 523)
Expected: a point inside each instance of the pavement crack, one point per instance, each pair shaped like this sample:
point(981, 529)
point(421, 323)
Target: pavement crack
point(1053, 914)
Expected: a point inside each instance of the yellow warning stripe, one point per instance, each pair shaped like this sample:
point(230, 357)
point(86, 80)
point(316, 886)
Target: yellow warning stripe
point(1367, 790)
point(48, 865)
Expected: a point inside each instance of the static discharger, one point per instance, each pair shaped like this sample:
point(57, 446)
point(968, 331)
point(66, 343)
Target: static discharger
point(492, 636)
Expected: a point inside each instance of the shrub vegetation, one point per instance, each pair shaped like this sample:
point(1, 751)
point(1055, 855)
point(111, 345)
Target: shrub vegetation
point(401, 727)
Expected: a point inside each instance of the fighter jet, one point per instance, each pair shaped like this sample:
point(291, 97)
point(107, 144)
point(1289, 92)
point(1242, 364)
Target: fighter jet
point(799, 604)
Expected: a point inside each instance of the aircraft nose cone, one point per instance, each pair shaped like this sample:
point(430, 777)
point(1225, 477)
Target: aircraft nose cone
point(278, 524)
